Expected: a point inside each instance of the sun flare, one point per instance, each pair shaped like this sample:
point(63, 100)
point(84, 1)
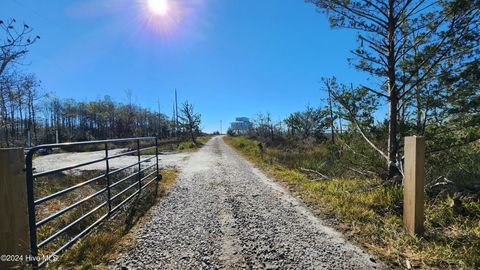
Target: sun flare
point(158, 7)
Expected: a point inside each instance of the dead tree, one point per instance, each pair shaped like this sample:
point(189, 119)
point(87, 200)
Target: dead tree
point(190, 120)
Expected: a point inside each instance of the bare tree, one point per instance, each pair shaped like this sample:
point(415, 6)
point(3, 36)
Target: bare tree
point(29, 86)
point(190, 120)
point(330, 108)
point(15, 92)
point(14, 43)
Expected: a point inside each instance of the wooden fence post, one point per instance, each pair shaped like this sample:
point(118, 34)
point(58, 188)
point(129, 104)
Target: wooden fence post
point(14, 228)
point(413, 191)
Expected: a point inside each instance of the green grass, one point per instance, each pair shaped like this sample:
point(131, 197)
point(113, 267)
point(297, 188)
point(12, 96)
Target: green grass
point(371, 213)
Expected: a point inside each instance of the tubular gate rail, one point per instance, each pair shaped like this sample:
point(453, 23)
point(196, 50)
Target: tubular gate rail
point(111, 202)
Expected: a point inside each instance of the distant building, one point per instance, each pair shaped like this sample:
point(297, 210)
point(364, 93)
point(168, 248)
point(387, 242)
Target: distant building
point(241, 125)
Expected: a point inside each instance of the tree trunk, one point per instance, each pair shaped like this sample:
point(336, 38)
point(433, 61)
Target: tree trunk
point(392, 139)
point(331, 114)
point(192, 134)
point(4, 117)
point(271, 133)
point(393, 96)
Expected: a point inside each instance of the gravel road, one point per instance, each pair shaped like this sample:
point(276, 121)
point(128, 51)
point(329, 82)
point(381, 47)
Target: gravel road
point(223, 213)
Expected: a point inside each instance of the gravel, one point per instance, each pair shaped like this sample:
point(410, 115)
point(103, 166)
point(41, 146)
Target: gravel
point(61, 160)
point(223, 213)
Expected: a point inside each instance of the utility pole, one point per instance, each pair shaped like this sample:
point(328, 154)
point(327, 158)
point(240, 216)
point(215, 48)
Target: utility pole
point(331, 114)
point(221, 130)
point(176, 108)
point(330, 107)
point(173, 120)
point(159, 118)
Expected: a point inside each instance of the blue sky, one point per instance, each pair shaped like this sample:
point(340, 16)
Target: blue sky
point(230, 58)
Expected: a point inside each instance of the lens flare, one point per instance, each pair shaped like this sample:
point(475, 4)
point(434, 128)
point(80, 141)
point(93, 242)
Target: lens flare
point(158, 7)
point(169, 19)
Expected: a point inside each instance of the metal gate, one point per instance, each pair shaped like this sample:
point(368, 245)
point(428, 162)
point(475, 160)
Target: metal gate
point(114, 199)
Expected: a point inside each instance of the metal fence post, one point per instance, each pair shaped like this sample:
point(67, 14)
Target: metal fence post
point(31, 207)
point(107, 176)
point(413, 192)
point(139, 167)
point(14, 221)
point(159, 177)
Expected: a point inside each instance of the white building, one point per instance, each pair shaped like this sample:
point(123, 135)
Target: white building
point(241, 125)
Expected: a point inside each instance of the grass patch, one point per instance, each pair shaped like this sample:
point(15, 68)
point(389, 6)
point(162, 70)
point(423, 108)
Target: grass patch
point(190, 146)
point(371, 213)
point(99, 246)
point(180, 146)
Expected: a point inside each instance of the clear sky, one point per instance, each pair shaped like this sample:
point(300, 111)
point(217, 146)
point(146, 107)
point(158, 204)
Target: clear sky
point(228, 57)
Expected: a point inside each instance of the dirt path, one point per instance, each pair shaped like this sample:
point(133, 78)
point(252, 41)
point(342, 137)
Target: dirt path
point(225, 214)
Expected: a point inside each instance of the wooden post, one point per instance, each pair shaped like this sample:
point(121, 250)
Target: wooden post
point(14, 229)
point(413, 191)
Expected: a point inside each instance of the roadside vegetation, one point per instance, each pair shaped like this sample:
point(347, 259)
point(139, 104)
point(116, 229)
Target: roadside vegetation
point(346, 156)
point(186, 145)
point(369, 211)
point(189, 145)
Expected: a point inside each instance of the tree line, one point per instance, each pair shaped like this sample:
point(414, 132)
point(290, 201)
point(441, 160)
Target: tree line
point(424, 57)
point(422, 60)
point(31, 116)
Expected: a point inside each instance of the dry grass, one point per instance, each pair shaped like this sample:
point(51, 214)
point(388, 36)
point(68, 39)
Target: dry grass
point(98, 247)
point(371, 214)
point(186, 145)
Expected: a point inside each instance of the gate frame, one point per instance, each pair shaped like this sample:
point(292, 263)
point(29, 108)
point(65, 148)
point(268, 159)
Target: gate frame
point(30, 178)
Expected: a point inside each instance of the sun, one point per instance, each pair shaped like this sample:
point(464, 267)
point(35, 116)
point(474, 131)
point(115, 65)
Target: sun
point(158, 7)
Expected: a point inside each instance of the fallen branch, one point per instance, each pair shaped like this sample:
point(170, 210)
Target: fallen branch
point(440, 181)
point(359, 128)
point(351, 149)
point(384, 184)
point(365, 173)
point(315, 172)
